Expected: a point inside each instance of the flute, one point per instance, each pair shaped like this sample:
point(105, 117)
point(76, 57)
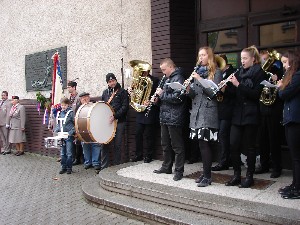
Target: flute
point(224, 83)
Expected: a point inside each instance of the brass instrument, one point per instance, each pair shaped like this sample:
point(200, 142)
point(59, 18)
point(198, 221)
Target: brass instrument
point(268, 94)
point(141, 86)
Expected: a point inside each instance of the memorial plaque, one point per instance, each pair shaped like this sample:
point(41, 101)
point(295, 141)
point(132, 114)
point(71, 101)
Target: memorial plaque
point(39, 69)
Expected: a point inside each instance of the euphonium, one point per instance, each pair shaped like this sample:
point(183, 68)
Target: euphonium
point(141, 86)
point(268, 94)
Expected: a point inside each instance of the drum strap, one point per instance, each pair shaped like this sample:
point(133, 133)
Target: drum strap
point(112, 96)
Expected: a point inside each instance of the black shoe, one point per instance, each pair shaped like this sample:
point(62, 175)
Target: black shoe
point(286, 189)
point(87, 166)
point(204, 182)
point(5, 153)
point(219, 167)
point(235, 180)
point(69, 171)
point(275, 174)
point(261, 170)
point(76, 162)
point(292, 194)
point(247, 182)
point(147, 160)
point(161, 170)
point(178, 176)
point(62, 171)
point(198, 180)
point(97, 167)
point(136, 159)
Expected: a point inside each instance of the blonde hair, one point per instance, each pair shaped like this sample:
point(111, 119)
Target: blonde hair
point(253, 52)
point(211, 63)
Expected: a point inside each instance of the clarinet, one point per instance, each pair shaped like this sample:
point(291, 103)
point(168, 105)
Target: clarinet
point(228, 78)
point(189, 80)
point(160, 85)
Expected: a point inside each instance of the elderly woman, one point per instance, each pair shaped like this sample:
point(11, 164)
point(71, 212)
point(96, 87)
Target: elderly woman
point(17, 125)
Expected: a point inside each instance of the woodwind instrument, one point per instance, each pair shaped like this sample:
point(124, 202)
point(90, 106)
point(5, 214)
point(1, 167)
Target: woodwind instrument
point(224, 83)
point(160, 85)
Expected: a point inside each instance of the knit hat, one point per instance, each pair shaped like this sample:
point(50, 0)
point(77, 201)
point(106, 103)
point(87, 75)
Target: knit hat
point(84, 94)
point(110, 76)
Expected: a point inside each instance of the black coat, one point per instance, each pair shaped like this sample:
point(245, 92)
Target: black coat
point(173, 110)
point(120, 102)
point(153, 116)
point(246, 108)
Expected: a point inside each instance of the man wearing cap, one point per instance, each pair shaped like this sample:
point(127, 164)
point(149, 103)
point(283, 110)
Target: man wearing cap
point(17, 118)
point(5, 106)
point(118, 99)
point(75, 102)
point(91, 151)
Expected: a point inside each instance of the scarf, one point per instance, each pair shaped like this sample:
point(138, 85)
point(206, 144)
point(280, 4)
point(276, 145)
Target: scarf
point(202, 71)
point(248, 74)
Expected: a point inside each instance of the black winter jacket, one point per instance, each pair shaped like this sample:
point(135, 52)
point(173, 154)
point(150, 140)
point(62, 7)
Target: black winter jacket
point(246, 109)
point(120, 102)
point(173, 109)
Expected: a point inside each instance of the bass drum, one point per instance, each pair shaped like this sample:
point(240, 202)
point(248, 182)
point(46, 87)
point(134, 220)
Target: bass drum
point(92, 123)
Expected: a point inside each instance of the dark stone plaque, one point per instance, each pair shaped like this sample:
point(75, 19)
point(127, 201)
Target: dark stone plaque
point(39, 67)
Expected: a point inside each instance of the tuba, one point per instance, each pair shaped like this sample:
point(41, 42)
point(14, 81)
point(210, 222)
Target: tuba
point(268, 94)
point(141, 86)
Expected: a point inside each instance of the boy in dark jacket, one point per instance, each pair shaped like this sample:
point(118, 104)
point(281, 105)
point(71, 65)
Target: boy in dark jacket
point(65, 123)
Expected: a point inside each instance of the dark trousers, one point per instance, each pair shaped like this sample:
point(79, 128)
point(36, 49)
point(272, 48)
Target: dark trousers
point(206, 155)
point(224, 138)
point(77, 152)
point(270, 142)
point(172, 140)
point(292, 134)
point(150, 137)
point(117, 145)
point(243, 136)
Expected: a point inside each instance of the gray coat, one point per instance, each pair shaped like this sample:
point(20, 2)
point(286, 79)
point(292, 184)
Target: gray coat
point(4, 112)
point(204, 112)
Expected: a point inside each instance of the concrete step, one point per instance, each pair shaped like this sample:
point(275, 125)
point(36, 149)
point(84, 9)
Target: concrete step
point(173, 205)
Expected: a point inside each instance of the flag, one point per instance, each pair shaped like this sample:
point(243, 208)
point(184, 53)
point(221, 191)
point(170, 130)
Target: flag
point(57, 81)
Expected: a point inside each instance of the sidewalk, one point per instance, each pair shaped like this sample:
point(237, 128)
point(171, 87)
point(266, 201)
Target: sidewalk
point(32, 192)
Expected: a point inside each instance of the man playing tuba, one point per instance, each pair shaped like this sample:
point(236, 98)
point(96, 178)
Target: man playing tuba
point(144, 124)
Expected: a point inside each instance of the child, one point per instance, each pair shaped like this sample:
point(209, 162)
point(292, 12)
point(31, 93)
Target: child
point(65, 123)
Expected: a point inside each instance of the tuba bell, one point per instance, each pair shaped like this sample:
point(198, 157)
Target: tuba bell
point(221, 63)
point(141, 86)
point(269, 94)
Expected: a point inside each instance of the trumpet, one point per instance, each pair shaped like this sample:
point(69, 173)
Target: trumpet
point(160, 85)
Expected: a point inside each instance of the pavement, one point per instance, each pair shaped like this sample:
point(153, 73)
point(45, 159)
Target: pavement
point(32, 192)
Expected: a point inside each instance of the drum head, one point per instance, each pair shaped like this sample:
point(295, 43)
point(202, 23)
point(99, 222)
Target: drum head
point(101, 130)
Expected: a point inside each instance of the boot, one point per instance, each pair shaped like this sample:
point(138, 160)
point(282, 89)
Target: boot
point(235, 180)
point(248, 181)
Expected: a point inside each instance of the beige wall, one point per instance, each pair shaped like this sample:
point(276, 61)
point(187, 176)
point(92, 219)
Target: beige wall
point(97, 35)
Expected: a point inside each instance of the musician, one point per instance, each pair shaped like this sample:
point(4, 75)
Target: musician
point(17, 119)
point(290, 92)
point(91, 151)
point(225, 108)
point(67, 125)
point(5, 107)
point(146, 124)
point(172, 119)
point(118, 99)
point(245, 120)
point(270, 131)
point(75, 102)
point(204, 123)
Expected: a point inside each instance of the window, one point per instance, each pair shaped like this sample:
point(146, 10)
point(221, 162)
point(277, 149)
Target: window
point(221, 41)
point(277, 33)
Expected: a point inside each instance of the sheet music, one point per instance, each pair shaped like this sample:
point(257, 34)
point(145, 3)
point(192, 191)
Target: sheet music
point(208, 84)
point(176, 86)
